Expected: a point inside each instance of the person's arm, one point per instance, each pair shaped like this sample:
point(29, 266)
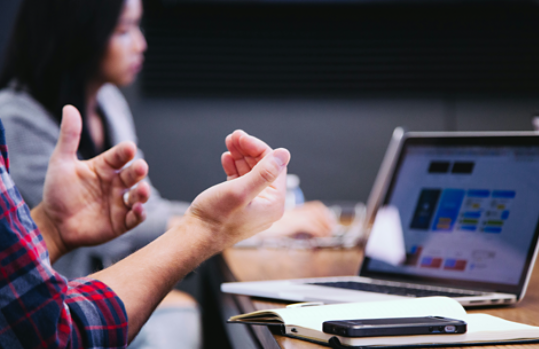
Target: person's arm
point(40, 307)
point(248, 203)
point(83, 201)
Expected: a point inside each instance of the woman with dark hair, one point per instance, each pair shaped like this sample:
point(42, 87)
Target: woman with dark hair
point(74, 52)
point(77, 52)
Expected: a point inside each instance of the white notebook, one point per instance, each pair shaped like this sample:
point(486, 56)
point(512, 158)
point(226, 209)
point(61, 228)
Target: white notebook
point(306, 322)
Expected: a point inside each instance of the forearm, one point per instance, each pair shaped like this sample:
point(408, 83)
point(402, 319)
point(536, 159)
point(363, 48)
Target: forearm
point(219, 217)
point(144, 278)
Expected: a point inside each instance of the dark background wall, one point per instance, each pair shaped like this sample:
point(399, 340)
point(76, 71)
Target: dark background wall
point(337, 145)
point(8, 8)
point(328, 82)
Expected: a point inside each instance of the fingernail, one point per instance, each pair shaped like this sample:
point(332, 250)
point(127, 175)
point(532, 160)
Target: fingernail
point(280, 158)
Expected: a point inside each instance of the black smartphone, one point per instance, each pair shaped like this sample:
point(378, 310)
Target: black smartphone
point(395, 326)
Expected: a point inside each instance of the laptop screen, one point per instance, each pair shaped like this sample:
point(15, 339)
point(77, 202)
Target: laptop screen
point(469, 210)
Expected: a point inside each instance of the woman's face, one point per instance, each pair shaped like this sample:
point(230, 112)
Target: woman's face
point(125, 51)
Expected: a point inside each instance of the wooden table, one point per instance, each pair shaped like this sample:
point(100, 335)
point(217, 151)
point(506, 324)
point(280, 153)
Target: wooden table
point(272, 264)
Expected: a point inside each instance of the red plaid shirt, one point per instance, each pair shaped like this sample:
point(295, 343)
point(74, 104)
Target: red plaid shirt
point(39, 308)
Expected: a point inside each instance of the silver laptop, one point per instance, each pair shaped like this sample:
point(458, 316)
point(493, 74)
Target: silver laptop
point(469, 210)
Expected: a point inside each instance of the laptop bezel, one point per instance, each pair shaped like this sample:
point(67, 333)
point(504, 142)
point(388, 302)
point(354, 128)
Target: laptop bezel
point(455, 139)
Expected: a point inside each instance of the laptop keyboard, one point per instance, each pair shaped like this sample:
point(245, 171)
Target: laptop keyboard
point(395, 290)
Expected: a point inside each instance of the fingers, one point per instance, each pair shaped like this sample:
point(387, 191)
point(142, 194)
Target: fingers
point(254, 149)
point(134, 173)
point(229, 166)
point(319, 216)
point(134, 200)
point(238, 154)
point(312, 218)
point(244, 152)
point(70, 131)
point(263, 174)
point(139, 194)
point(118, 156)
point(135, 216)
point(240, 144)
point(316, 226)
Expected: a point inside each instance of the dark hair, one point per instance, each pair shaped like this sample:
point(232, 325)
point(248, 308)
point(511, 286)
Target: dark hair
point(56, 48)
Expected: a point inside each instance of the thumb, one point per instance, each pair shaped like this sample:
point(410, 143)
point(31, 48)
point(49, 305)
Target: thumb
point(263, 174)
point(70, 131)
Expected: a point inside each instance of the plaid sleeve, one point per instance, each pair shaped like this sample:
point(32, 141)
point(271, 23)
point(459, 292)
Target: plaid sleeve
point(39, 308)
point(100, 314)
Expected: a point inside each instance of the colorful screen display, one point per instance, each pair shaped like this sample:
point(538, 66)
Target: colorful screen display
point(467, 212)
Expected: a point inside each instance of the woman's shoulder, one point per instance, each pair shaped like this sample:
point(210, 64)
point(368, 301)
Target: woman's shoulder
point(19, 108)
point(20, 104)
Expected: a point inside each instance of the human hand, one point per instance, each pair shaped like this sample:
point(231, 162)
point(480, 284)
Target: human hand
point(244, 152)
point(249, 202)
point(83, 201)
point(252, 198)
point(312, 218)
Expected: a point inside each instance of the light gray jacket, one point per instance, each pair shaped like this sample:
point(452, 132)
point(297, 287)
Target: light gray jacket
point(31, 134)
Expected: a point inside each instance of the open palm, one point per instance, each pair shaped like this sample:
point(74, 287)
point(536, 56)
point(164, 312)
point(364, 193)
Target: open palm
point(252, 198)
point(85, 199)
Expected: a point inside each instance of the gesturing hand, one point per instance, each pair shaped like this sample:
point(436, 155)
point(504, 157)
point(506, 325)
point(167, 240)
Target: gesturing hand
point(244, 153)
point(252, 198)
point(83, 201)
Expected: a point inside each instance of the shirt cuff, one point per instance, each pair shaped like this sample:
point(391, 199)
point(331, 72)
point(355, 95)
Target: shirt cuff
point(98, 313)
